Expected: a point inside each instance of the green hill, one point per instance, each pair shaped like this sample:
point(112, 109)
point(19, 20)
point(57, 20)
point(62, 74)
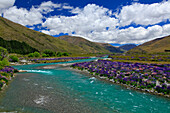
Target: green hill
point(28, 39)
point(22, 40)
point(159, 45)
point(92, 47)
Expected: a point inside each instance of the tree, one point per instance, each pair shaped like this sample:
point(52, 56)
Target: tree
point(3, 53)
point(44, 55)
point(13, 58)
point(49, 52)
point(36, 54)
point(31, 55)
point(65, 54)
point(59, 54)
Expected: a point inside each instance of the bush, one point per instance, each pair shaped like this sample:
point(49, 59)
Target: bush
point(49, 52)
point(36, 54)
point(13, 58)
point(4, 62)
point(44, 55)
point(65, 54)
point(31, 55)
point(59, 54)
point(3, 53)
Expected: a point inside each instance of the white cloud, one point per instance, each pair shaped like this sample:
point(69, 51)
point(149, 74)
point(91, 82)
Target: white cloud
point(144, 14)
point(47, 7)
point(76, 10)
point(6, 3)
point(23, 16)
point(166, 29)
point(91, 22)
point(67, 7)
point(30, 17)
point(91, 18)
point(97, 23)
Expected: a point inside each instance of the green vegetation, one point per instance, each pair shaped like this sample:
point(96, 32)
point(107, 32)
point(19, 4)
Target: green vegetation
point(142, 58)
point(31, 55)
point(49, 53)
point(13, 58)
point(3, 57)
point(35, 54)
point(4, 63)
point(3, 53)
point(59, 54)
point(65, 54)
point(44, 55)
point(14, 46)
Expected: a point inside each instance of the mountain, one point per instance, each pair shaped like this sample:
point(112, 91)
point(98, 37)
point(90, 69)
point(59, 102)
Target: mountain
point(25, 38)
point(111, 48)
point(22, 40)
point(159, 45)
point(127, 47)
point(90, 46)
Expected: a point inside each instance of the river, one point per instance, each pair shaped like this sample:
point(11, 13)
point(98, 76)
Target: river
point(60, 90)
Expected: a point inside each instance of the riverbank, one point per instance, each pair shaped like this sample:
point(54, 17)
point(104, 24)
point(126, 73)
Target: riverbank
point(67, 66)
point(6, 75)
point(58, 88)
point(134, 80)
point(106, 79)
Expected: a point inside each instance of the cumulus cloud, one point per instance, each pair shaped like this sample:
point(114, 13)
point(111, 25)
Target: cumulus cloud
point(6, 3)
point(91, 18)
point(30, 17)
point(97, 23)
point(144, 14)
point(23, 16)
point(47, 7)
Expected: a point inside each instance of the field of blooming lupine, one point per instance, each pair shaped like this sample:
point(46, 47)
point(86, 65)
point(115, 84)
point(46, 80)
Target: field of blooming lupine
point(156, 58)
point(153, 78)
point(6, 73)
point(61, 59)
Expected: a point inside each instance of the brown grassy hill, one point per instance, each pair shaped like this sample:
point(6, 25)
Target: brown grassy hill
point(86, 45)
point(12, 32)
point(111, 48)
point(158, 45)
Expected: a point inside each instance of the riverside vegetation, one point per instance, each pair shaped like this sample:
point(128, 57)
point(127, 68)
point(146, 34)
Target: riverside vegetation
point(153, 76)
point(6, 71)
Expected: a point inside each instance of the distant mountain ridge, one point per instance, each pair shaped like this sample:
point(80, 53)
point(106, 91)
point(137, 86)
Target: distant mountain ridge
point(159, 45)
point(111, 48)
point(127, 47)
point(90, 46)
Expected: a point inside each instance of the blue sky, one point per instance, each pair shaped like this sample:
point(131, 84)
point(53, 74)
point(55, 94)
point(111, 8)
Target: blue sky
point(110, 21)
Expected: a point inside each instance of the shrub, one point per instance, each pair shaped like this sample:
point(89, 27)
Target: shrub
point(13, 58)
point(49, 52)
point(31, 55)
point(59, 54)
point(44, 55)
point(36, 54)
point(4, 62)
point(3, 53)
point(65, 54)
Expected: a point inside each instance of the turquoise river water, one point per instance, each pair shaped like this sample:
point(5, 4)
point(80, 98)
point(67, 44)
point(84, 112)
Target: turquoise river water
point(61, 90)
